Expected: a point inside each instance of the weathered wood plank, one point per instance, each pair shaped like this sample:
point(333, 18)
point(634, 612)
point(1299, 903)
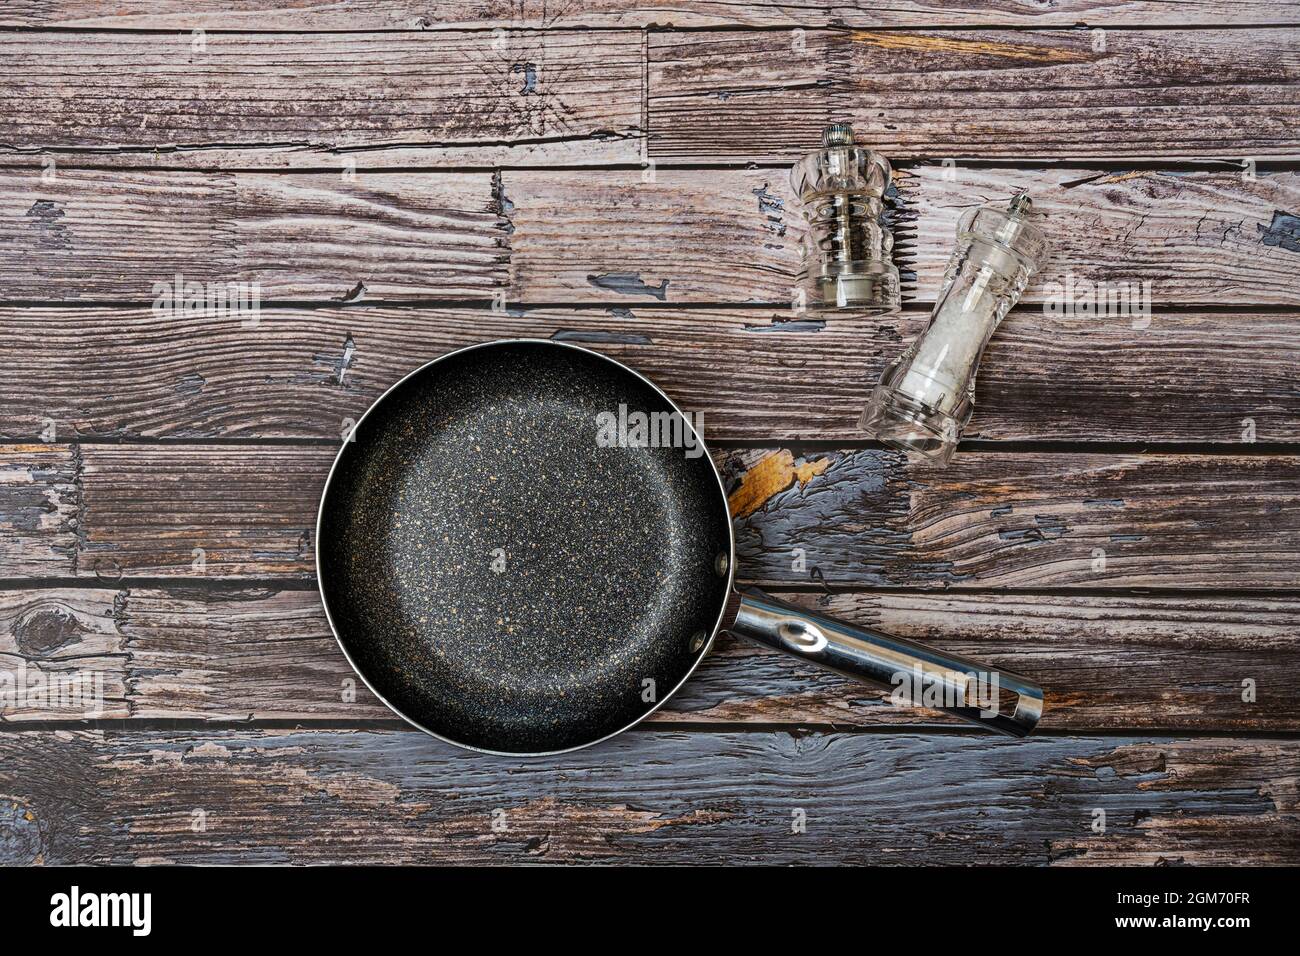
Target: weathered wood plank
point(270, 15)
point(117, 235)
point(764, 96)
point(40, 503)
point(687, 236)
point(219, 511)
point(734, 236)
point(579, 97)
point(385, 797)
point(321, 99)
point(132, 373)
point(1120, 663)
point(247, 654)
point(1009, 520)
point(1028, 520)
point(63, 655)
point(1223, 238)
point(176, 653)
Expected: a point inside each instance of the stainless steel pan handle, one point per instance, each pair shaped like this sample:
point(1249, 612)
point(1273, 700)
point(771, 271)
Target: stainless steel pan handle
point(915, 673)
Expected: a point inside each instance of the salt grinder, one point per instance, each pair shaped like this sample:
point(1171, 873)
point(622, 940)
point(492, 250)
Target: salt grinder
point(847, 250)
point(926, 395)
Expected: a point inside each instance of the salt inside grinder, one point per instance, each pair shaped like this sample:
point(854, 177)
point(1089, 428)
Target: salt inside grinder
point(847, 250)
point(926, 395)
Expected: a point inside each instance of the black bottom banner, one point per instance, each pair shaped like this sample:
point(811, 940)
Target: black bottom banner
point(342, 905)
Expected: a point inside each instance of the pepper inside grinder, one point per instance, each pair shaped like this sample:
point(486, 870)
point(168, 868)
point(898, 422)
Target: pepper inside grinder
point(926, 395)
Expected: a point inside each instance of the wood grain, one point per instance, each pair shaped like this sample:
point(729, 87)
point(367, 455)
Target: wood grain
point(324, 98)
point(127, 236)
point(1028, 520)
point(1222, 238)
point(383, 797)
point(764, 96)
point(193, 510)
point(734, 236)
point(1108, 663)
point(1025, 520)
point(40, 507)
point(581, 97)
point(63, 655)
point(321, 15)
point(136, 373)
point(687, 236)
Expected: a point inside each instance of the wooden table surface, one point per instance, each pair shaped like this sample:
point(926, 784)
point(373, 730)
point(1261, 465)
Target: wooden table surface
point(400, 178)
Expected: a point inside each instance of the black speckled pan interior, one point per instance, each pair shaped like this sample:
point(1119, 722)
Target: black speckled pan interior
point(497, 576)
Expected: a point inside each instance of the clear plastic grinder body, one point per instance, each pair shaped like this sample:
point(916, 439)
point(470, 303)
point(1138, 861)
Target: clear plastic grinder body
point(847, 250)
point(926, 396)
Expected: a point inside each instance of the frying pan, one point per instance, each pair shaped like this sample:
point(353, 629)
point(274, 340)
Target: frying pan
point(510, 578)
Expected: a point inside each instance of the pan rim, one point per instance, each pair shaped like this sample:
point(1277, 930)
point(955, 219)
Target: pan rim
point(717, 477)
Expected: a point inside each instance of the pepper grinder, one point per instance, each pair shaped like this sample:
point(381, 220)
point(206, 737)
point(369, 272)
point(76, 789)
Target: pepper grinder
point(926, 395)
point(847, 250)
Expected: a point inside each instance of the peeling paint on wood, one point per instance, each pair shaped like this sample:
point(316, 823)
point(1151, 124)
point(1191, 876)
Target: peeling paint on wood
point(1193, 237)
point(51, 234)
point(691, 236)
point(309, 236)
point(796, 325)
point(629, 283)
point(771, 475)
point(40, 507)
point(384, 797)
point(1283, 231)
point(871, 519)
point(600, 337)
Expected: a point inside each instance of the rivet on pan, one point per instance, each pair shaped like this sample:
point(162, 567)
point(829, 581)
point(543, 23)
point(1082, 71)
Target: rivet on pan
point(697, 640)
point(721, 563)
